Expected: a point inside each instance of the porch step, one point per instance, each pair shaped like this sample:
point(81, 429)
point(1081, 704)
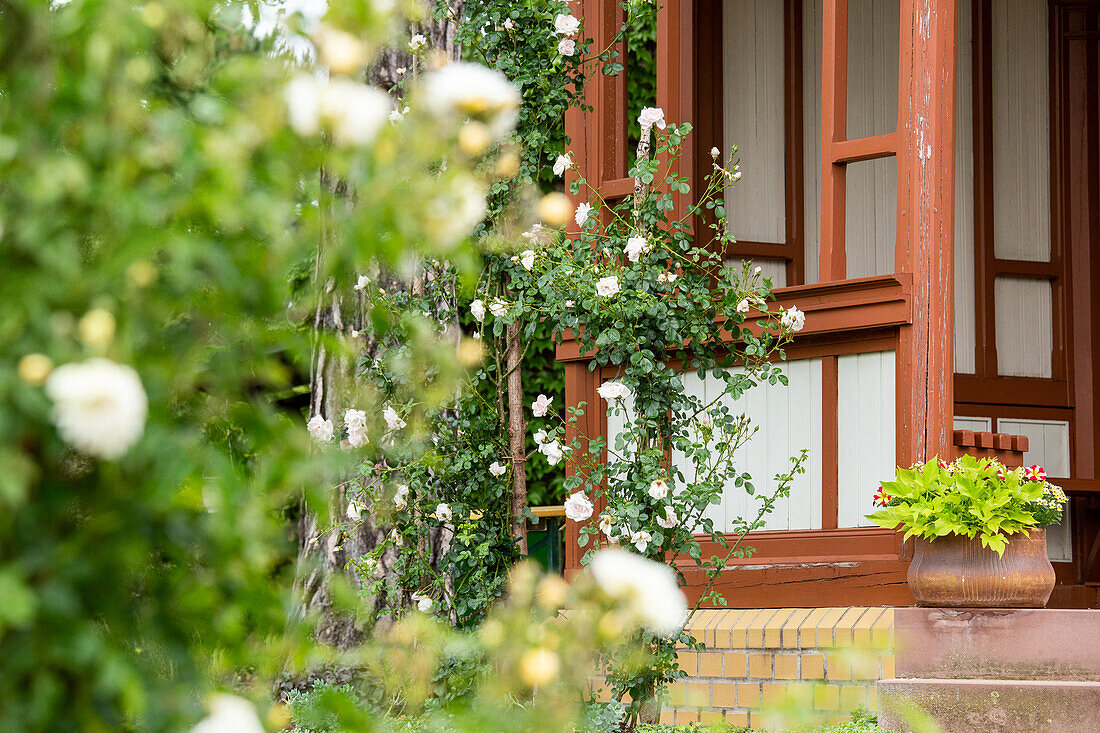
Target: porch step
point(997, 644)
point(990, 706)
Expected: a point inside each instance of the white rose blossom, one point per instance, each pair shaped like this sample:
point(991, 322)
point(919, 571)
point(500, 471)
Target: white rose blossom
point(658, 489)
point(566, 24)
point(578, 507)
point(553, 451)
point(423, 603)
point(355, 511)
point(397, 115)
point(462, 90)
point(357, 438)
point(581, 214)
point(607, 287)
point(355, 420)
point(230, 714)
point(362, 282)
point(669, 520)
point(562, 164)
point(567, 47)
point(715, 152)
point(613, 390)
point(527, 259)
point(636, 247)
point(401, 496)
point(417, 42)
point(743, 306)
point(497, 468)
point(320, 429)
point(99, 407)
point(667, 277)
point(651, 116)
point(648, 589)
point(793, 319)
point(499, 308)
point(509, 24)
point(541, 405)
point(641, 539)
point(607, 525)
point(477, 310)
point(393, 420)
point(443, 512)
point(353, 112)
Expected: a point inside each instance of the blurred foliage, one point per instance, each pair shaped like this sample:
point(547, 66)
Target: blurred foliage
point(148, 172)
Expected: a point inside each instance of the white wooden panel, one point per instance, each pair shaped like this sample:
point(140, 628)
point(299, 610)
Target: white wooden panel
point(977, 424)
point(1024, 326)
point(771, 268)
point(866, 425)
point(618, 417)
point(752, 78)
point(811, 132)
point(964, 195)
point(788, 420)
point(1048, 445)
point(871, 217)
point(1021, 130)
point(873, 39)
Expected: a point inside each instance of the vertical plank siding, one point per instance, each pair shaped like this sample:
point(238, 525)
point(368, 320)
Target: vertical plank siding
point(866, 419)
point(964, 194)
point(811, 126)
point(1048, 445)
point(1025, 326)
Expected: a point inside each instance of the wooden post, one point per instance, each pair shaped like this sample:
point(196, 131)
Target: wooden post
point(517, 434)
point(926, 220)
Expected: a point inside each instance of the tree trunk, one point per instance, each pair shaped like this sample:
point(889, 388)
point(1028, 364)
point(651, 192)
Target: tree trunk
point(517, 434)
point(324, 552)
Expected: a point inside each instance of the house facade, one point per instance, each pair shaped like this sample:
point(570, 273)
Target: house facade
point(922, 178)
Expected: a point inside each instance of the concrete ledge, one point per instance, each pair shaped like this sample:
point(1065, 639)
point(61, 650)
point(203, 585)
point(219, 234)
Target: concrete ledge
point(991, 706)
point(1000, 644)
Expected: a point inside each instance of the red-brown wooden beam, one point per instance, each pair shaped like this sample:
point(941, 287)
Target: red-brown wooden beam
point(926, 203)
point(832, 263)
point(676, 78)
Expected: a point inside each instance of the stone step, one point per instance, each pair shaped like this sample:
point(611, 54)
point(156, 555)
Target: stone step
point(997, 644)
point(990, 706)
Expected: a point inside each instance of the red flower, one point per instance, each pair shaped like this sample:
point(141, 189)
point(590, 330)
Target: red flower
point(1035, 473)
point(1001, 472)
point(881, 497)
point(943, 464)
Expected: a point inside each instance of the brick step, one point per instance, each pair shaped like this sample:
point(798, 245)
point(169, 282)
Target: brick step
point(990, 706)
point(997, 644)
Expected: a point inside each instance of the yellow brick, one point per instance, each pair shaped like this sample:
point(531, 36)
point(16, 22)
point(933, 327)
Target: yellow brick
point(739, 630)
point(786, 666)
point(689, 662)
point(861, 632)
point(806, 631)
point(723, 695)
point(760, 666)
point(722, 630)
point(887, 667)
point(736, 664)
point(843, 630)
point(801, 695)
point(790, 629)
point(872, 699)
point(703, 621)
point(838, 667)
point(882, 633)
point(710, 664)
point(710, 716)
point(852, 697)
point(719, 630)
point(773, 630)
point(773, 693)
point(826, 697)
point(824, 629)
point(677, 693)
point(668, 717)
point(748, 694)
point(603, 694)
point(865, 665)
point(736, 719)
point(687, 716)
point(754, 635)
point(813, 667)
point(698, 694)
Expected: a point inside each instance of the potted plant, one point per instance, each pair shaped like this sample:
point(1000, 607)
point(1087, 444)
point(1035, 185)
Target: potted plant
point(979, 528)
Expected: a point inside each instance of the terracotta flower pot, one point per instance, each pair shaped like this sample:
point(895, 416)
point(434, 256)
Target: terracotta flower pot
point(956, 571)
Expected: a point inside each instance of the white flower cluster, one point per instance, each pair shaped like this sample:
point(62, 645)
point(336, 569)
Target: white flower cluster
point(612, 390)
point(647, 589)
point(651, 116)
point(793, 319)
point(497, 307)
point(552, 449)
point(356, 423)
point(99, 406)
point(637, 247)
point(230, 714)
point(562, 164)
point(566, 25)
point(463, 90)
point(578, 507)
